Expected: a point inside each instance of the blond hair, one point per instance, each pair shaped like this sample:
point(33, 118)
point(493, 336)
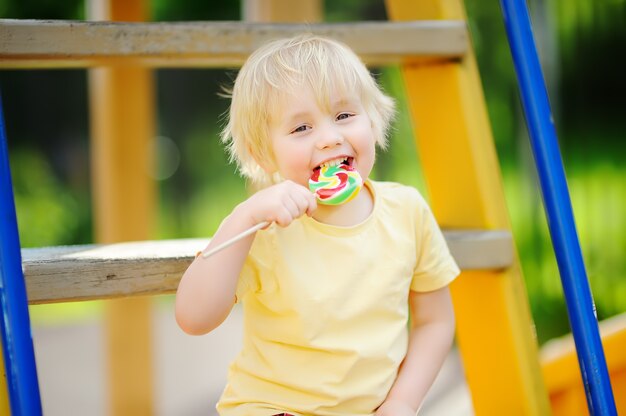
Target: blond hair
point(279, 68)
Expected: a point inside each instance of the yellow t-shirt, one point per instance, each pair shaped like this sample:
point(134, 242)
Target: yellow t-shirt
point(326, 308)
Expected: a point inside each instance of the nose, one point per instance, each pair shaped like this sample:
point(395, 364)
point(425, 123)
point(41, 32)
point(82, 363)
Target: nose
point(329, 137)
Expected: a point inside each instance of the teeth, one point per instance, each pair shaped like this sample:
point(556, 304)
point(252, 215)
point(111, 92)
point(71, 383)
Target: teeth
point(334, 162)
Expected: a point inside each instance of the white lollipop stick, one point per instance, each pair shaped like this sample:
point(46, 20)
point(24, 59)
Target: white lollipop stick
point(236, 238)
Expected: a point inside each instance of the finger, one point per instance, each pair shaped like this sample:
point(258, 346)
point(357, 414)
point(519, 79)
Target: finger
point(312, 203)
point(290, 203)
point(302, 202)
point(283, 217)
point(304, 198)
point(308, 202)
point(309, 197)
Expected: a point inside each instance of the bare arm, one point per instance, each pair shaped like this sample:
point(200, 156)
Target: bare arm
point(206, 291)
point(430, 340)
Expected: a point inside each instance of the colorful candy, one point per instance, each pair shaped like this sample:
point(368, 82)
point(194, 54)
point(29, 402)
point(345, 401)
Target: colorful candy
point(335, 185)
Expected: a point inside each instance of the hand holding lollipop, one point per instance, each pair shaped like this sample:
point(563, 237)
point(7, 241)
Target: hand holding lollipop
point(332, 185)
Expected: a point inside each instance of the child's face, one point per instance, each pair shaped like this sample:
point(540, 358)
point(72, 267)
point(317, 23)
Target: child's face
point(304, 135)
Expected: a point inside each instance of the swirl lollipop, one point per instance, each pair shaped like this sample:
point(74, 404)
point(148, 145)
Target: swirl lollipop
point(335, 185)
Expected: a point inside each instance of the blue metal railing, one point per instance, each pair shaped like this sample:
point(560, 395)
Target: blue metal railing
point(558, 207)
point(17, 343)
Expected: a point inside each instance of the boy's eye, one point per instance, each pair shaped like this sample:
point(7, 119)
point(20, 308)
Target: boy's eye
point(301, 128)
point(343, 116)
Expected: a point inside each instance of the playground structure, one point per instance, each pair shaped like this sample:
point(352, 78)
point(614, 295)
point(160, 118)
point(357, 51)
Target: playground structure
point(443, 87)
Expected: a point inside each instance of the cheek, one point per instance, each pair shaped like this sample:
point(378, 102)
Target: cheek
point(366, 140)
point(293, 161)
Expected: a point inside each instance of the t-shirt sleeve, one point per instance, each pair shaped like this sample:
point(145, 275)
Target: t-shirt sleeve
point(435, 267)
point(257, 260)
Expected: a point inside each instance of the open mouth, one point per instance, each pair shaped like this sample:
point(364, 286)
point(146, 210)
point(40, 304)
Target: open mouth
point(344, 160)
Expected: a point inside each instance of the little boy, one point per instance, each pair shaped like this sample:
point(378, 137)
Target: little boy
point(326, 290)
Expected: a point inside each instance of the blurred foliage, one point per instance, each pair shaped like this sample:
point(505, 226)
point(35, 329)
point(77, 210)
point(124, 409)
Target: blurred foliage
point(578, 41)
point(47, 208)
point(170, 10)
point(42, 9)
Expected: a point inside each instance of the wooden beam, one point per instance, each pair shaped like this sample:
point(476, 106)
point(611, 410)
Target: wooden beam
point(74, 44)
point(73, 273)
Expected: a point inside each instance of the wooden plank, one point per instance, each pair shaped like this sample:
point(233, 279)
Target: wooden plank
point(460, 166)
point(481, 250)
point(77, 44)
point(69, 273)
point(72, 273)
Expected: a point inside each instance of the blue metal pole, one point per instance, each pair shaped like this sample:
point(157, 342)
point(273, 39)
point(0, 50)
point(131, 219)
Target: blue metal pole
point(580, 306)
point(17, 343)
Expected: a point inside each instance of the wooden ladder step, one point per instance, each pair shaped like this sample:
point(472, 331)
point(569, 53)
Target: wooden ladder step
point(79, 44)
point(84, 272)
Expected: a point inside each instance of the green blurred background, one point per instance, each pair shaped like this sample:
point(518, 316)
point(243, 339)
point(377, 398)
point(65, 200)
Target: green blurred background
point(581, 43)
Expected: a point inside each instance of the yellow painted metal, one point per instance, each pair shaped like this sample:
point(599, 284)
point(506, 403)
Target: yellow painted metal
point(4, 389)
point(562, 372)
point(122, 129)
point(494, 327)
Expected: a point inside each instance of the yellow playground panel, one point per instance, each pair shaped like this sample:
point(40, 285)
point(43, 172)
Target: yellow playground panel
point(498, 347)
point(562, 375)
